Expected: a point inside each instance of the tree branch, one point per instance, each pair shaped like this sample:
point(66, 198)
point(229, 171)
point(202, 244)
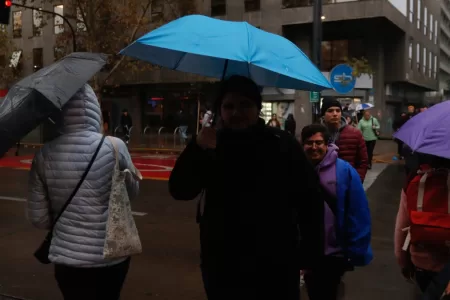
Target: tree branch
point(83, 15)
point(132, 37)
point(172, 9)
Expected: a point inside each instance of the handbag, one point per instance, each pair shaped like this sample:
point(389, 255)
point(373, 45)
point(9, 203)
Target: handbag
point(122, 237)
point(376, 132)
point(43, 251)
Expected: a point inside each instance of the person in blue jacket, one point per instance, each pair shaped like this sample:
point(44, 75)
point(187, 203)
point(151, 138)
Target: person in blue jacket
point(347, 221)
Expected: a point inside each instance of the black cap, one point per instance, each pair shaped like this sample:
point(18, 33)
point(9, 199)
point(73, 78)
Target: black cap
point(328, 102)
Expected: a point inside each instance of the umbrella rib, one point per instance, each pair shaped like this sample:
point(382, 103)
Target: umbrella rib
point(179, 61)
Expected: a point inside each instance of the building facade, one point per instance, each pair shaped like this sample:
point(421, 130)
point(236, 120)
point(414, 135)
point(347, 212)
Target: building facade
point(399, 38)
point(444, 42)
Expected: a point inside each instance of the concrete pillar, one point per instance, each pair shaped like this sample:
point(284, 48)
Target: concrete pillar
point(303, 108)
point(271, 16)
point(377, 61)
point(235, 10)
point(204, 7)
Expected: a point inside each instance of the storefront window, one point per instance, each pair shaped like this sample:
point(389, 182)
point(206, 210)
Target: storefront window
point(281, 109)
point(153, 111)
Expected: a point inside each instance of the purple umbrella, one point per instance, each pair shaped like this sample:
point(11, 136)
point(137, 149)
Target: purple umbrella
point(429, 131)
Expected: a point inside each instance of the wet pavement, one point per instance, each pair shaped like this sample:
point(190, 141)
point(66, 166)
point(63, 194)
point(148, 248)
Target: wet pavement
point(168, 268)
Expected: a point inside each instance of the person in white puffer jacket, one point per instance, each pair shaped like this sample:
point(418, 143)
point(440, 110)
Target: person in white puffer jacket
point(79, 235)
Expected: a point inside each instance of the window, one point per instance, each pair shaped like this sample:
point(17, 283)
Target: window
point(425, 20)
point(38, 59)
point(430, 64)
point(410, 54)
point(157, 10)
point(435, 66)
point(424, 59)
point(418, 13)
point(411, 11)
point(58, 22)
point(435, 31)
point(418, 56)
point(80, 21)
point(252, 5)
point(431, 27)
point(335, 52)
point(218, 7)
point(300, 3)
point(37, 22)
point(17, 24)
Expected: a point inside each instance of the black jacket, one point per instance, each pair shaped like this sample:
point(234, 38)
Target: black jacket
point(259, 190)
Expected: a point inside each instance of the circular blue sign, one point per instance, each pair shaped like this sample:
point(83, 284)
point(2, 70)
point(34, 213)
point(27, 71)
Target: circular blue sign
point(342, 79)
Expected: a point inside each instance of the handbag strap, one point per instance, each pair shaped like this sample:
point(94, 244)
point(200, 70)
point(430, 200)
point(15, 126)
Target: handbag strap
point(116, 151)
point(79, 182)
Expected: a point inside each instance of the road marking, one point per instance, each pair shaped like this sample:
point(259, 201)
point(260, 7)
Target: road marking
point(134, 213)
point(373, 174)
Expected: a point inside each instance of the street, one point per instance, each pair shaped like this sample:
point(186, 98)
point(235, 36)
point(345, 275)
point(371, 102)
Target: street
point(168, 268)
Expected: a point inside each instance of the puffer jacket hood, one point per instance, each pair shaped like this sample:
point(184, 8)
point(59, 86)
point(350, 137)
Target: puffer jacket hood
point(79, 235)
point(82, 112)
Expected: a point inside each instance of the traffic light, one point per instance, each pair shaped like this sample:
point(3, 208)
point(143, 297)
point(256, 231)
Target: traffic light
point(5, 10)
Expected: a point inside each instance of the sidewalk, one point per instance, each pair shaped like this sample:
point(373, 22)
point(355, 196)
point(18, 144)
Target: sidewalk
point(385, 150)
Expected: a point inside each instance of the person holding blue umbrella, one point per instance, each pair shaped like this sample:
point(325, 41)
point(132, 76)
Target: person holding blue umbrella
point(261, 214)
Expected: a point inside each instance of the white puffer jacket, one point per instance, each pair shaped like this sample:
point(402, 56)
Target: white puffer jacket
point(79, 235)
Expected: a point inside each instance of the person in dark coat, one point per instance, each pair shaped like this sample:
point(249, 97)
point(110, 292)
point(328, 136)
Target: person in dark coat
point(260, 223)
point(126, 123)
point(290, 124)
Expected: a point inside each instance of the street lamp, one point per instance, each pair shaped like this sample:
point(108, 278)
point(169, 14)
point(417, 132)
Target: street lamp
point(317, 45)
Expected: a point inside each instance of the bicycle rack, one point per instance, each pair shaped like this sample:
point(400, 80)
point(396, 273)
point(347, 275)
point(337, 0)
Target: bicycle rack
point(115, 130)
point(175, 132)
point(161, 141)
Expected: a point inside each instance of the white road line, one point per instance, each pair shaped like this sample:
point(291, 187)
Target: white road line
point(134, 213)
point(373, 174)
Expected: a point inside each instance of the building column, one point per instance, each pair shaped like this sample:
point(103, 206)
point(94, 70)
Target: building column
point(377, 62)
point(271, 16)
point(302, 106)
point(205, 7)
point(235, 10)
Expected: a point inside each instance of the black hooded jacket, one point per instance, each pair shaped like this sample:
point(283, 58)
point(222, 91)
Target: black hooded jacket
point(261, 195)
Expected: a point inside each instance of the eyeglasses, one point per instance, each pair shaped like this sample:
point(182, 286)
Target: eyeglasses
point(312, 142)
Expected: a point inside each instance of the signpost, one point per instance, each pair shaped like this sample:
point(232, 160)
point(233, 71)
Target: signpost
point(314, 97)
point(342, 79)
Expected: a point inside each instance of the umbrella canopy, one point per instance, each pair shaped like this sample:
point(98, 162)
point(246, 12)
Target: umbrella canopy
point(215, 48)
point(428, 132)
point(36, 97)
point(61, 80)
point(361, 106)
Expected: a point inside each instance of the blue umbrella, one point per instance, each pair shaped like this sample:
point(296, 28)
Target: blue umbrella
point(215, 48)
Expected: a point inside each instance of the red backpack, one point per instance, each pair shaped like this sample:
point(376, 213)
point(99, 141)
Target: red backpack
point(428, 202)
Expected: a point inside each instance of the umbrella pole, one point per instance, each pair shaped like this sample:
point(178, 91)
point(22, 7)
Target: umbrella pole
point(225, 67)
point(198, 114)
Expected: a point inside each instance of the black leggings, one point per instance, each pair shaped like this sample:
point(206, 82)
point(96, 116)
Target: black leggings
point(92, 283)
point(370, 145)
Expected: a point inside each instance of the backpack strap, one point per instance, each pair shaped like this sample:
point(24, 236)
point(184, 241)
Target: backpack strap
point(421, 190)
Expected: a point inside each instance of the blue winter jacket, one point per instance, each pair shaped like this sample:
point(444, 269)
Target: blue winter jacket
point(353, 215)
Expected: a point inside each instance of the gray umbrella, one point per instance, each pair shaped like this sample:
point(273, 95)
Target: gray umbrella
point(36, 97)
